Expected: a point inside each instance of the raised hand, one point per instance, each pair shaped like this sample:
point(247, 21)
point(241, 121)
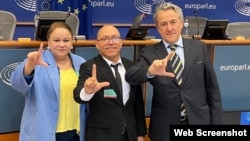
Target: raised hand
point(34, 58)
point(92, 85)
point(158, 67)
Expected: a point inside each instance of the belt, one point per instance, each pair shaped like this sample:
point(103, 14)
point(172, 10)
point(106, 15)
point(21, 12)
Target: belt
point(184, 117)
point(184, 120)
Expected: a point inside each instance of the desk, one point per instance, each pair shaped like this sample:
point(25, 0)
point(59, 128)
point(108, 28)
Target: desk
point(227, 42)
point(82, 43)
point(212, 43)
point(79, 43)
point(136, 43)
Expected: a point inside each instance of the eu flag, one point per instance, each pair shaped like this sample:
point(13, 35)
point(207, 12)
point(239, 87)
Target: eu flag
point(81, 8)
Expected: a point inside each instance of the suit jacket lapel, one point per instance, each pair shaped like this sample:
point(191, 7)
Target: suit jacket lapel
point(189, 58)
point(52, 71)
point(161, 53)
point(127, 65)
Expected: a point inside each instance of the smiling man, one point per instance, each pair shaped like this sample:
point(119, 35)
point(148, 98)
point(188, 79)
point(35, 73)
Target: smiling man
point(116, 109)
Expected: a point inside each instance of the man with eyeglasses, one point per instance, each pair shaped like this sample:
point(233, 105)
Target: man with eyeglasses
point(185, 87)
point(116, 112)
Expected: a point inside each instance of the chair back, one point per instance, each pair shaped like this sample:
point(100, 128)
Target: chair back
point(71, 19)
point(235, 29)
point(196, 25)
point(7, 25)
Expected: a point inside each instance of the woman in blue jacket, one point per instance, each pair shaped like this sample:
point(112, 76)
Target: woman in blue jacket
point(46, 79)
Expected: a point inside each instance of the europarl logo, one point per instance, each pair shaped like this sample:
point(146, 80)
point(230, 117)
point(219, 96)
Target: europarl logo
point(147, 8)
point(243, 7)
point(29, 5)
point(35, 5)
point(6, 72)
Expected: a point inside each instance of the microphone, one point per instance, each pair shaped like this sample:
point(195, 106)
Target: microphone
point(197, 22)
point(138, 20)
point(197, 36)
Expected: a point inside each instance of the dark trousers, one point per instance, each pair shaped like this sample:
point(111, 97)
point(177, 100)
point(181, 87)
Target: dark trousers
point(67, 136)
point(124, 136)
point(185, 121)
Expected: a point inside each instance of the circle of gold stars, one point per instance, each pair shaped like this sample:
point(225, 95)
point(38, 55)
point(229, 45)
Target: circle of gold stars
point(45, 5)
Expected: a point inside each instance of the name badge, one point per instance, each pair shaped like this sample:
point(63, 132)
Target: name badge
point(109, 93)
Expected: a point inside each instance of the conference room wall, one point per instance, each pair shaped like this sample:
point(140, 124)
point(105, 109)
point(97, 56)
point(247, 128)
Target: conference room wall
point(211, 9)
point(125, 11)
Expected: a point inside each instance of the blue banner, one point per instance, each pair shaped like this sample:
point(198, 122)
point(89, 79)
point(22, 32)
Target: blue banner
point(232, 67)
point(114, 11)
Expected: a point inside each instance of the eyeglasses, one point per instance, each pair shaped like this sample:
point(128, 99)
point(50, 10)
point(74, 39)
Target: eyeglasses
point(107, 39)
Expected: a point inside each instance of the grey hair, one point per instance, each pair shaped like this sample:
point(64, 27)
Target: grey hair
point(167, 6)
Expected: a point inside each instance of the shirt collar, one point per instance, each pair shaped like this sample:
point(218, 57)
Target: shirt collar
point(179, 43)
point(112, 63)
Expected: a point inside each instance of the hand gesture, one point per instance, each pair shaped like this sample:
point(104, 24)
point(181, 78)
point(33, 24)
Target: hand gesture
point(92, 85)
point(158, 67)
point(34, 58)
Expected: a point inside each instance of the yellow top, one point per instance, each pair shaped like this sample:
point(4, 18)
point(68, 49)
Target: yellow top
point(69, 110)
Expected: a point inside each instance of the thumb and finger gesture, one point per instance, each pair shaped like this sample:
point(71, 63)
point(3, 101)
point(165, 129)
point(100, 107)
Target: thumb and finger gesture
point(158, 67)
point(35, 57)
point(92, 85)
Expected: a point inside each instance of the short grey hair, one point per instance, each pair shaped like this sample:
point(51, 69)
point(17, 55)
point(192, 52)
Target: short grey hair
point(167, 6)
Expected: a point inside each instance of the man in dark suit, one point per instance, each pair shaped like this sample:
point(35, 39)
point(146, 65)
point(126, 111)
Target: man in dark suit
point(197, 89)
point(114, 114)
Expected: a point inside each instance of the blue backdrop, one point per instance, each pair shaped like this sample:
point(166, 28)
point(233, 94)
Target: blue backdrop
point(114, 11)
point(124, 11)
point(233, 76)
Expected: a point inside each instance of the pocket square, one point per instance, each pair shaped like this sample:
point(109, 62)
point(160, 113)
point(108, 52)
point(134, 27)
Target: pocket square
point(198, 62)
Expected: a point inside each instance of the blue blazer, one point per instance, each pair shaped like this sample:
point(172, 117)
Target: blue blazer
point(40, 114)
